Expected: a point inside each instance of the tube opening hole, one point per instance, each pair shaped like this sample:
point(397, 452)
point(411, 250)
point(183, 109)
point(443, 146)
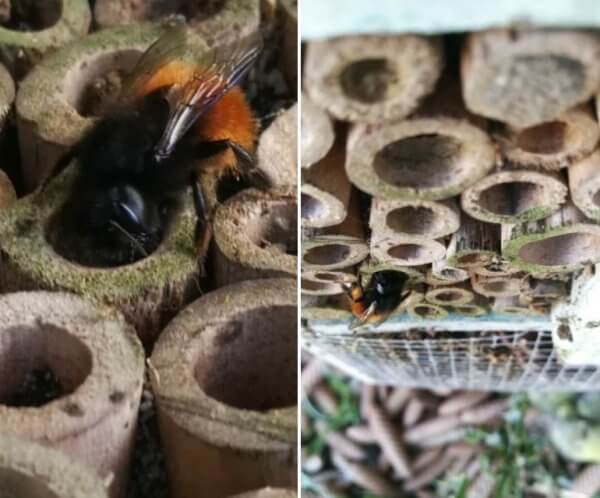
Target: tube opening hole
point(39, 365)
point(30, 15)
point(415, 220)
point(368, 80)
point(545, 138)
point(513, 198)
point(275, 228)
point(422, 161)
point(567, 249)
point(237, 366)
point(95, 84)
point(409, 251)
point(311, 207)
point(328, 254)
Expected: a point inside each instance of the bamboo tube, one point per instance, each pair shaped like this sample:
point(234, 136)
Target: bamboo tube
point(390, 218)
point(470, 309)
point(451, 295)
point(51, 24)
point(341, 444)
point(498, 267)
point(442, 273)
point(434, 155)
point(325, 283)
point(554, 144)
point(510, 305)
point(584, 184)
point(533, 288)
point(432, 428)
point(7, 192)
point(33, 471)
point(406, 250)
point(514, 196)
point(372, 78)
point(99, 364)
point(496, 286)
point(213, 24)
point(50, 106)
point(362, 434)
point(428, 158)
point(563, 242)
point(36, 244)
point(528, 77)
point(218, 402)
point(426, 311)
point(316, 133)
point(326, 308)
point(325, 191)
point(474, 244)
point(277, 151)
point(255, 236)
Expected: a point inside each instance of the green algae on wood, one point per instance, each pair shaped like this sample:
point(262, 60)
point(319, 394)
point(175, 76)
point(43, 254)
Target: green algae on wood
point(148, 292)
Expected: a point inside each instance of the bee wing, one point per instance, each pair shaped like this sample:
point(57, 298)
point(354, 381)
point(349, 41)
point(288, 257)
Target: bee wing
point(221, 69)
point(164, 50)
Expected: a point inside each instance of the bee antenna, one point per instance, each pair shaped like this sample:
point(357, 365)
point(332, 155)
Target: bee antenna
point(131, 238)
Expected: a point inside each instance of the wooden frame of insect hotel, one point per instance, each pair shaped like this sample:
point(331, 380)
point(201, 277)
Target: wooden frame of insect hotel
point(468, 163)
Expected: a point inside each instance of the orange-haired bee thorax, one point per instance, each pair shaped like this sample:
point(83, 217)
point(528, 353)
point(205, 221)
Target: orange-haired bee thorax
point(230, 118)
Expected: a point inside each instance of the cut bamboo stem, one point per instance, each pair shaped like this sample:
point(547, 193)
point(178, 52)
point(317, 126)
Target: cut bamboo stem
point(36, 254)
point(510, 305)
point(554, 144)
point(563, 242)
point(528, 77)
point(51, 25)
point(51, 116)
point(406, 250)
point(442, 273)
point(332, 252)
point(325, 283)
point(475, 244)
point(277, 151)
point(316, 133)
point(390, 218)
point(213, 24)
point(584, 184)
point(326, 190)
point(372, 78)
point(255, 236)
point(428, 158)
point(7, 192)
point(514, 196)
point(496, 286)
point(451, 295)
point(33, 471)
point(218, 400)
point(426, 311)
point(364, 476)
point(99, 363)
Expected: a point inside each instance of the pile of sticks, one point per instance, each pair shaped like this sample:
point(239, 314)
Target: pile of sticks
point(405, 440)
point(469, 163)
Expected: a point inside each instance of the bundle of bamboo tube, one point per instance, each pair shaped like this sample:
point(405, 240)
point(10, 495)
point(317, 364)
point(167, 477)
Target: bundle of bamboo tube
point(471, 161)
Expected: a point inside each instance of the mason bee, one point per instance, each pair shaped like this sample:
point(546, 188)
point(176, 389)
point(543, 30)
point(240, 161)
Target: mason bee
point(175, 119)
point(374, 303)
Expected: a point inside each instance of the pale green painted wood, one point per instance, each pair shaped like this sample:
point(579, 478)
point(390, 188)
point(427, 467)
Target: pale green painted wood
point(326, 18)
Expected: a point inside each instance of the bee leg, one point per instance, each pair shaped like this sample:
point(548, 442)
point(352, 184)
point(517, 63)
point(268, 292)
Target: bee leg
point(246, 161)
point(203, 231)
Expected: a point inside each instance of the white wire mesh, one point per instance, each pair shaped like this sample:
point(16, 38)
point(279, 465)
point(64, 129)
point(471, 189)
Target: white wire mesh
point(498, 360)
